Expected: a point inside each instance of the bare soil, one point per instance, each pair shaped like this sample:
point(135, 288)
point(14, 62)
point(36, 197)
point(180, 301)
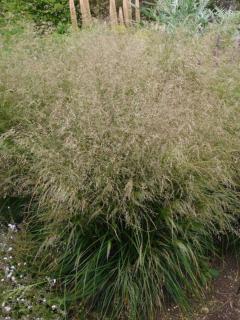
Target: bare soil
point(223, 300)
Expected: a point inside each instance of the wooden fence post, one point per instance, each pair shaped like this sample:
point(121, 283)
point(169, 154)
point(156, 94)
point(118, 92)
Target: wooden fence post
point(130, 11)
point(126, 12)
point(113, 13)
point(86, 13)
point(137, 11)
point(120, 16)
point(73, 14)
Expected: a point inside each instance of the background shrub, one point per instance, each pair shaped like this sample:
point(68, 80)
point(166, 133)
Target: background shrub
point(195, 14)
point(190, 13)
point(55, 14)
point(48, 13)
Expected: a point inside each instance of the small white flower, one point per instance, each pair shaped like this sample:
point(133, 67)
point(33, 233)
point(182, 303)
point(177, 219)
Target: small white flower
point(54, 307)
point(9, 275)
point(7, 309)
point(12, 227)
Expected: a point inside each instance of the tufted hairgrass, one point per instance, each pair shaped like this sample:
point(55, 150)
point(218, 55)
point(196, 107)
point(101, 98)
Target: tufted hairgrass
point(127, 144)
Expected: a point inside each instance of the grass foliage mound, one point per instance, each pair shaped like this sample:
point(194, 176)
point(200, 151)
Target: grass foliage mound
point(126, 144)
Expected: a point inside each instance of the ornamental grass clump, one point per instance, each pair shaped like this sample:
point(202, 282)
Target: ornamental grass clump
point(127, 146)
